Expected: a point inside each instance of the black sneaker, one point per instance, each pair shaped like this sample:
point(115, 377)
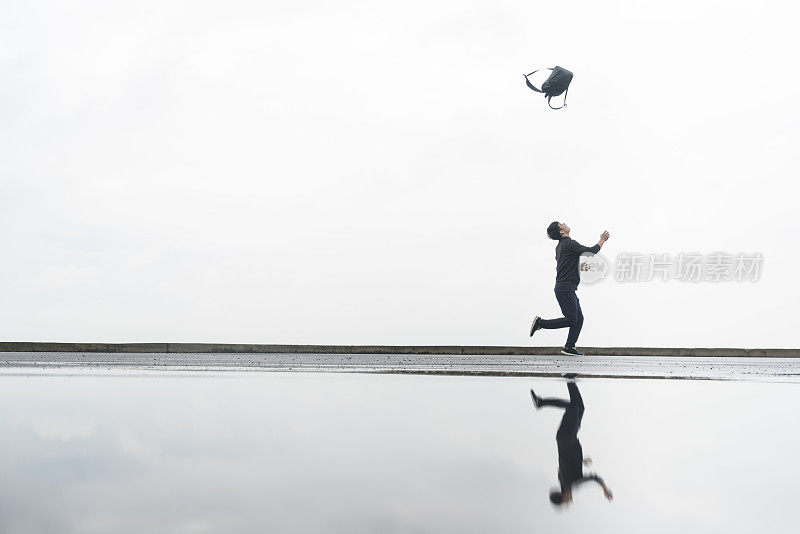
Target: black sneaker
point(571, 351)
point(536, 324)
point(570, 376)
point(537, 401)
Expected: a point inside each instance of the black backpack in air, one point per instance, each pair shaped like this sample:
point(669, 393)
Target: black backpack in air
point(554, 85)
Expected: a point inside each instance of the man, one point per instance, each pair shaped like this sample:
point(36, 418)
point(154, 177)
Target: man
point(570, 452)
point(568, 253)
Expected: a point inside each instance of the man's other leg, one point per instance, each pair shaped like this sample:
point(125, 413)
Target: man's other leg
point(571, 421)
point(575, 398)
point(575, 330)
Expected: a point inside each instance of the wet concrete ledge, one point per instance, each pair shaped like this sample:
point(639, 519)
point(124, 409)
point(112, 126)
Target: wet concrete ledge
point(234, 348)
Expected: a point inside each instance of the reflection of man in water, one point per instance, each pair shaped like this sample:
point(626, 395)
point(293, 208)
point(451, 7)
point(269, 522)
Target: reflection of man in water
point(570, 453)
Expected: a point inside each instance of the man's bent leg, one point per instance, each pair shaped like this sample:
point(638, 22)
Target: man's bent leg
point(561, 322)
point(558, 403)
point(567, 305)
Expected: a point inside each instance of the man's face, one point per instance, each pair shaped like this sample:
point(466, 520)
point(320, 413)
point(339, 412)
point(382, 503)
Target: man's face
point(564, 228)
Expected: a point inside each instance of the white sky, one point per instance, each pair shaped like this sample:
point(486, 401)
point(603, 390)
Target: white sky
point(362, 172)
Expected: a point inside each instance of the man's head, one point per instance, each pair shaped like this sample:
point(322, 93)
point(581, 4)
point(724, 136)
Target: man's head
point(557, 230)
point(560, 499)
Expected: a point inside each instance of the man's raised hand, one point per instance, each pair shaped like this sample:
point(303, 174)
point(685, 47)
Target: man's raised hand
point(604, 236)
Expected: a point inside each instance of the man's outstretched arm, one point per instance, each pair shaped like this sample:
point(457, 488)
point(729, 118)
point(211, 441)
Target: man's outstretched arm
point(580, 249)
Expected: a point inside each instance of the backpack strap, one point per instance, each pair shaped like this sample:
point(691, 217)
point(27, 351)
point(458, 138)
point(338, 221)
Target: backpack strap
point(528, 82)
point(565, 100)
point(534, 72)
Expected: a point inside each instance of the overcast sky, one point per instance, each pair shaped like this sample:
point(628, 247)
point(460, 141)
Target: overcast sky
point(377, 172)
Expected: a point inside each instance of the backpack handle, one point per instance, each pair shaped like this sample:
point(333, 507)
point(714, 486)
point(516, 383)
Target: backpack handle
point(528, 82)
point(563, 105)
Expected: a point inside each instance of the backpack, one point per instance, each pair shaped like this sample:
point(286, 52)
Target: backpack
point(554, 85)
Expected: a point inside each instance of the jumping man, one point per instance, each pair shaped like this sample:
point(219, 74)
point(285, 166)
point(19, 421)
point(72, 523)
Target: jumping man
point(568, 253)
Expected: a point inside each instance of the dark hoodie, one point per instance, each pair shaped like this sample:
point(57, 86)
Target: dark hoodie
point(568, 252)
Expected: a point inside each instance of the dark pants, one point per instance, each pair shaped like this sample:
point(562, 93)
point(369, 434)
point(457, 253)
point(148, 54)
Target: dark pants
point(573, 413)
point(573, 316)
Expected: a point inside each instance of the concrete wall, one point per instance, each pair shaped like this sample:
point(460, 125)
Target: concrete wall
point(224, 348)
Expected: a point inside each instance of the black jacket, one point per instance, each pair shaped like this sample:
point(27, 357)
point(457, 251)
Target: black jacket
point(568, 252)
